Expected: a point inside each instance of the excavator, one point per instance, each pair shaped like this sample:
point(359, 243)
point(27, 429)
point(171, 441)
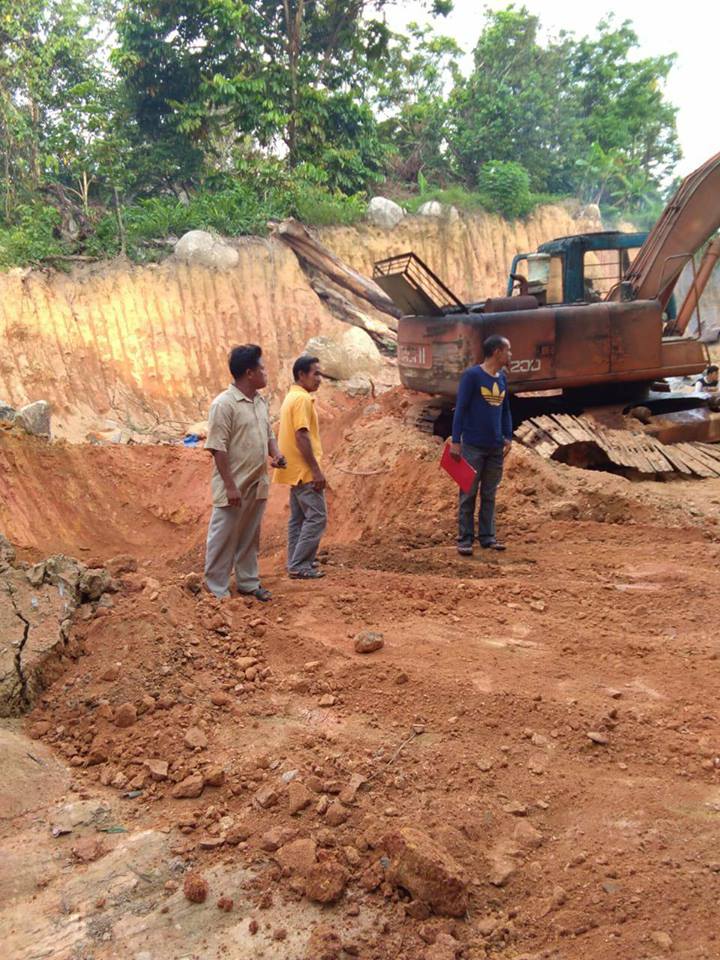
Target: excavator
point(591, 319)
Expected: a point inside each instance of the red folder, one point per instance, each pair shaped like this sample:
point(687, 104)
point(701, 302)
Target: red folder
point(460, 470)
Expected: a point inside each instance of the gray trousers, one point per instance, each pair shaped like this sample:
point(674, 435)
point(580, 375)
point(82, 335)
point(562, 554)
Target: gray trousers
point(308, 519)
point(488, 461)
point(232, 542)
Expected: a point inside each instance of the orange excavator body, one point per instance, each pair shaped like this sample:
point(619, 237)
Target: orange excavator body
point(594, 343)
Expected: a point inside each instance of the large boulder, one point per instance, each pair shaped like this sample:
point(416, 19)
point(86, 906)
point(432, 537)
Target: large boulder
point(201, 247)
point(354, 353)
point(442, 211)
point(34, 418)
point(384, 213)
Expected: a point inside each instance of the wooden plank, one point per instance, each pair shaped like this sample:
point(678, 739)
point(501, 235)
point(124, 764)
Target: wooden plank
point(710, 450)
point(707, 461)
point(559, 435)
point(677, 461)
point(685, 451)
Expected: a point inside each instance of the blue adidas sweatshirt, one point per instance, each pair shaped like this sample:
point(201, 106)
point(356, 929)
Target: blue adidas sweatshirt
point(482, 411)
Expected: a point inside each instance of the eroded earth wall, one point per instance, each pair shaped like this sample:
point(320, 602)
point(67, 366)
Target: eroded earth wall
point(121, 344)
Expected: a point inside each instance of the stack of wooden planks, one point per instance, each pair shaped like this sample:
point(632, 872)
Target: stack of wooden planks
point(574, 439)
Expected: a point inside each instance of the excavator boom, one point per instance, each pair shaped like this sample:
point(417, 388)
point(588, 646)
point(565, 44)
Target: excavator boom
point(690, 218)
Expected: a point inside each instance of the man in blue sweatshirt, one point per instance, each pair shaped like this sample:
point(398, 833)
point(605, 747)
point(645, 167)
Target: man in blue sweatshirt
point(482, 434)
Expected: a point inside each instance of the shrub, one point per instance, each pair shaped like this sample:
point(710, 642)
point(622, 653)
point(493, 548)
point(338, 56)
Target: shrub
point(505, 188)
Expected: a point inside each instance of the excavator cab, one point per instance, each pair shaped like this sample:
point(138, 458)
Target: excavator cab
point(577, 269)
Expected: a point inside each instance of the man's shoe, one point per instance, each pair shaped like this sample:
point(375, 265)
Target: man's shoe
point(465, 551)
point(493, 545)
point(261, 594)
point(307, 575)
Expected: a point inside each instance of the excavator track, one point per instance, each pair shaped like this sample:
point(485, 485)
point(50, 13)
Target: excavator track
point(583, 442)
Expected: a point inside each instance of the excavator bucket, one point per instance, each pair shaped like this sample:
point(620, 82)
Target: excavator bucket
point(414, 288)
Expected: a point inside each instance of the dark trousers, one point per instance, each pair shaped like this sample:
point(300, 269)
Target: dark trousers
point(488, 462)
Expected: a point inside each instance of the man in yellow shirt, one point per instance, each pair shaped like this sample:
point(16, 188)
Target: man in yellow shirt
point(299, 439)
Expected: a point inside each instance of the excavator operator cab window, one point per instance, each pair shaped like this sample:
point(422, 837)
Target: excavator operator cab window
point(555, 280)
point(603, 270)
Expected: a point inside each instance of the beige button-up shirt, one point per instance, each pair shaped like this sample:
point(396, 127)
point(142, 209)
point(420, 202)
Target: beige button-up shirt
point(240, 427)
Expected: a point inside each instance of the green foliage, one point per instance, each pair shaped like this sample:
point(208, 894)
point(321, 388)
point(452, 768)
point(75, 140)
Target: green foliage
point(32, 238)
point(122, 123)
point(506, 188)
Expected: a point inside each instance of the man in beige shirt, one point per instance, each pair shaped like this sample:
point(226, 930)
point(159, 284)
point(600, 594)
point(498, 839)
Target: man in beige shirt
point(240, 440)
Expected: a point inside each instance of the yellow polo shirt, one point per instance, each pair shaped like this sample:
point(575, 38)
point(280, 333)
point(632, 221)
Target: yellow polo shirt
point(297, 413)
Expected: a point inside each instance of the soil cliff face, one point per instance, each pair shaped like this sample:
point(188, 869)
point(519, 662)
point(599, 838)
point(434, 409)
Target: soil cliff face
point(132, 345)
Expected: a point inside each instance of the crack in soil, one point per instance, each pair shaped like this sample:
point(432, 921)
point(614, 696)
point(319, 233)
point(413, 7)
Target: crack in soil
point(24, 697)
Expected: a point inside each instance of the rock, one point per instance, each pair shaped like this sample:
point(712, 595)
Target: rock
point(662, 940)
point(276, 837)
point(214, 776)
point(122, 564)
point(125, 715)
point(93, 583)
point(7, 552)
point(325, 882)
point(427, 871)
point(502, 862)
point(368, 642)
point(195, 739)
point(220, 698)
point(444, 948)
point(189, 788)
point(158, 769)
point(336, 814)
point(347, 794)
point(34, 418)
point(244, 663)
point(111, 674)
point(299, 797)
point(193, 583)
point(266, 796)
point(597, 737)
point(201, 247)
point(323, 944)
point(7, 413)
point(527, 836)
point(352, 354)
point(357, 386)
point(225, 903)
point(298, 856)
point(384, 213)
point(433, 208)
point(641, 413)
point(195, 888)
point(326, 700)
point(87, 849)
point(564, 510)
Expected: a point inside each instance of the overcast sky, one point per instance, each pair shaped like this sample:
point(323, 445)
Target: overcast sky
point(692, 30)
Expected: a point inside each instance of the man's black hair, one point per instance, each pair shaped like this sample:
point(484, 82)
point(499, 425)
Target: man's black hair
point(493, 343)
point(712, 368)
point(302, 365)
point(244, 358)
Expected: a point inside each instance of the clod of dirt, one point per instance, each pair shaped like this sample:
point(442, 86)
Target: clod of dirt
point(158, 769)
point(598, 738)
point(126, 715)
point(225, 903)
point(190, 787)
point(266, 796)
point(195, 888)
point(193, 582)
point(195, 739)
point(324, 944)
point(299, 797)
point(298, 856)
point(444, 948)
point(336, 814)
point(87, 849)
point(325, 882)
point(427, 871)
point(214, 776)
point(369, 641)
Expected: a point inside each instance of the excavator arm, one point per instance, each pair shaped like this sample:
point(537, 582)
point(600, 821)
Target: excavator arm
point(691, 217)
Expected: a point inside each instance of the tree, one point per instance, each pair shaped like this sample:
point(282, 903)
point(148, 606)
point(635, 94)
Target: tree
point(566, 109)
point(293, 73)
